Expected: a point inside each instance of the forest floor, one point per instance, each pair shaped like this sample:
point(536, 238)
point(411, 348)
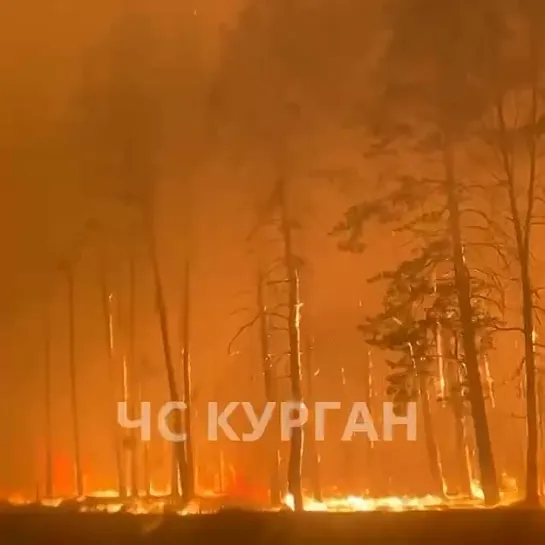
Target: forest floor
point(29, 526)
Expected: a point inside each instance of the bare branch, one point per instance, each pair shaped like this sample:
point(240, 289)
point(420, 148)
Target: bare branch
point(239, 311)
point(498, 329)
point(240, 332)
point(277, 315)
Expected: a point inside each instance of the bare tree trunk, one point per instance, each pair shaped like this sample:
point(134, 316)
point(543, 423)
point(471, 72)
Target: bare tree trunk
point(532, 449)
point(189, 452)
point(133, 379)
point(457, 406)
point(270, 394)
point(440, 358)
point(179, 447)
point(487, 465)
point(174, 474)
point(532, 465)
point(347, 448)
point(116, 430)
point(368, 398)
point(522, 230)
point(294, 336)
point(489, 381)
point(49, 478)
point(541, 404)
point(310, 440)
point(73, 382)
point(434, 460)
point(147, 470)
point(432, 450)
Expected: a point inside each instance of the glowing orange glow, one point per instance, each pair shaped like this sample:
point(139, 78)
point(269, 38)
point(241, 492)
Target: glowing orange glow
point(211, 501)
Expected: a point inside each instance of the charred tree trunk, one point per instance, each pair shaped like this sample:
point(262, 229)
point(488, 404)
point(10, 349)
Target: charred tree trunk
point(440, 358)
point(532, 447)
point(175, 474)
point(457, 406)
point(110, 343)
point(269, 380)
point(147, 470)
point(522, 229)
point(532, 451)
point(74, 405)
point(179, 448)
point(348, 458)
point(368, 398)
point(422, 384)
point(434, 460)
point(186, 362)
point(49, 477)
point(541, 405)
point(487, 465)
point(310, 439)
point(294, 336)
point(133, 380)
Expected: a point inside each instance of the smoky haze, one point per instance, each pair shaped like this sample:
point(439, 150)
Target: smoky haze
point(104, 102)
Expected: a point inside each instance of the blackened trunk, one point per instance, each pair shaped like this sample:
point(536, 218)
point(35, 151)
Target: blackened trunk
point(189, 478)
point(532, 446)
point(457, 405)
point(310, 439)
point(116, 429)
point(49, 477)
point(178, 447)
point(294, 337)
point(368, 398)
point(133, 381)
point(541, 416)
point(347, 448)
point(532, 449)
point(174, 474)
point(434, 460)
point(74, 405)
point(269, 378)
point(147, 470)
point(523, 238)
point(485, 455)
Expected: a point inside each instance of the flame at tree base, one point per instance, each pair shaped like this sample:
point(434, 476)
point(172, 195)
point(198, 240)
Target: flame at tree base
point(406, 503)
point(108, 501)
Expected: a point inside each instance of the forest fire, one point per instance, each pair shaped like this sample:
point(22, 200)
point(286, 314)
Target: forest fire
point(208, 501)
point(272, 271)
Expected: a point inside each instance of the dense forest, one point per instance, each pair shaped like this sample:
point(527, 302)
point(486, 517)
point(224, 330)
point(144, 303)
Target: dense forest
point(322, 201)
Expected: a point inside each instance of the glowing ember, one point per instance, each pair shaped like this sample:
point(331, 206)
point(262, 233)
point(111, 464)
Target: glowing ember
point(17, 499)
point(356, 503)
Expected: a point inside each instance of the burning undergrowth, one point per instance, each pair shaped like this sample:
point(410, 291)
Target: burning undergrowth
point(108, 501)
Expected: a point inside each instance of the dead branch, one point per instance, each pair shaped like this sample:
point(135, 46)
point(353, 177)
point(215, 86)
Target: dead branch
point(240, 332)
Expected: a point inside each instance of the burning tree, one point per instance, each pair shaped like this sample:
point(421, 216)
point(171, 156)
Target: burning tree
point(277, 212)
point(514, 125)
point(126, 121)
point(420, 310)
point(68, 266)
point(107, 300)
point(410, 196)
point(263, 318)
point(428, 106)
